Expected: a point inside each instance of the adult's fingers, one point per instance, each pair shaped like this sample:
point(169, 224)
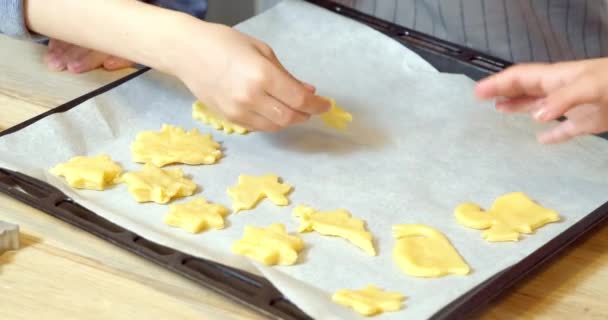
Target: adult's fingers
point(519, 80)
point(562, 132)
point(584, 90)
point(518, 104)
point(116, 63)
point(91, 60)
point(279, 113)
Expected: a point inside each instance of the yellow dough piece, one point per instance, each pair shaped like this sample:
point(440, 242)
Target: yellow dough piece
point(511, 214)
point(158, 185)
point(336, 117)
point(175, 145)
point(93, 173)
point(370, 300)
point(271, 245)
point(202, 113)
point(337, 223)
point(422, 251)
point(250, 190)
point(196, 216)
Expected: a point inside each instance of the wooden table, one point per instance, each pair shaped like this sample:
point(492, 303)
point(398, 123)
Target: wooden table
point(64, 273)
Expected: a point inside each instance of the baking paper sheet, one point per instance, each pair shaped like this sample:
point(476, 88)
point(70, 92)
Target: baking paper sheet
point(419, 145)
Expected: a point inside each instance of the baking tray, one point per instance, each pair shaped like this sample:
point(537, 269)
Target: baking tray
point(254, 291)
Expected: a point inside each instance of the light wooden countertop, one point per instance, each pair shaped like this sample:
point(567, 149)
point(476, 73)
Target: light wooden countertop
point(65, 273)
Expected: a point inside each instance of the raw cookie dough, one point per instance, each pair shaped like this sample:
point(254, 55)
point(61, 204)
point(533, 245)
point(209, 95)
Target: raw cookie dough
point(93, 173)
point(335, 223)
point(422, 251)
point(175, 145)
point(252, 189)
point(336, 117)
point(270, 246)
point(511, 214)
point(158, 185)
point(202, 113)
point(196, 215)
point(370, 300)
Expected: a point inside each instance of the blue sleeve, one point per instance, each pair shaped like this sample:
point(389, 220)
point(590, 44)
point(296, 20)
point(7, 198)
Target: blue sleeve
point(12, 20)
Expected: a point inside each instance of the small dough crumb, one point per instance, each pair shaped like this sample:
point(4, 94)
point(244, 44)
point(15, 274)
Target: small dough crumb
point(336, 117)
point(196, 215)
point(270, 246)
point(158, 185)
point(175, 145)
point(335, 223)
point(250, 190)
point(370, 300)
point(93, 173)
point(202, 113)
point(511, 214)
point(422, 251)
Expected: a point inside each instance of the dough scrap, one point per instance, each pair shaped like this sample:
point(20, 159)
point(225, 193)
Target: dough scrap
point(510, 215)
point(335, 223)
point(196, 215)
point(422, 251)
point(93, 173)
point(370, 300)
point(336, 117)
point(175, 145)
point(202, 113)
point(250, 190)
point(270, 246)
point(153, 184)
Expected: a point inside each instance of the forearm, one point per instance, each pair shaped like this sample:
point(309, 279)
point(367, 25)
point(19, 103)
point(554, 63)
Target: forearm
point(125, 28)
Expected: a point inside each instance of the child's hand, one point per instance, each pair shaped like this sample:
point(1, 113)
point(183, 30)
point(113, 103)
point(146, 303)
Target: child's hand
point(577, 90)
point(62, 55)
point(240, 77)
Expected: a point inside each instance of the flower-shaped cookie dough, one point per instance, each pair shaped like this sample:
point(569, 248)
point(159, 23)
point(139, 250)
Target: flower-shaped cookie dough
point(94, 173)
point(370, 300)
point(271, 245)
point(252, 189)
point(175, 145)
point(336, 117)
point(196, 215)
point(158, 185)
point(202, 113)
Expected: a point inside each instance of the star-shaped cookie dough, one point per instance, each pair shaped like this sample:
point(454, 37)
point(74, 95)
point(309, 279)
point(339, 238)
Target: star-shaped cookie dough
point(94, 173)
point(175, 145)
point(335, 223)
point(422, 251)
point(510, 215)
point(370, 300)
point(252, 189)
point(196, 215)
point(158, 185)
point(270, 246)
point(336, 117)
point(202, 113)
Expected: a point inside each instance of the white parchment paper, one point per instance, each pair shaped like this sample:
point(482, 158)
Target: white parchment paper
point(419, 145)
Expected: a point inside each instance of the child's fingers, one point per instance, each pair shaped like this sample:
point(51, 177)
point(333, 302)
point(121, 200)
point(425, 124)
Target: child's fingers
point(55, 50)
point(277, 112)
point(584, 90)
point(518, 104)
point(255, 122)
point(116, 63)
point(519, 80)
point(562, 132)
point(90, 61)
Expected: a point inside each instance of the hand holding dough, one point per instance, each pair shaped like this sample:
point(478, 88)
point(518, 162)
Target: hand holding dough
point(422, 251)
point(336, 117)
point(370, 300)
point(93, 173)
point(510, 215)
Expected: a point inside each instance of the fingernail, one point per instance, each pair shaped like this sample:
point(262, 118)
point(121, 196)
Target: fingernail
point(540, 113)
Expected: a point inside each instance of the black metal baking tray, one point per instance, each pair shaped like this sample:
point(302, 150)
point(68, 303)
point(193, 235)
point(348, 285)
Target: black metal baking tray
point(257, 292)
